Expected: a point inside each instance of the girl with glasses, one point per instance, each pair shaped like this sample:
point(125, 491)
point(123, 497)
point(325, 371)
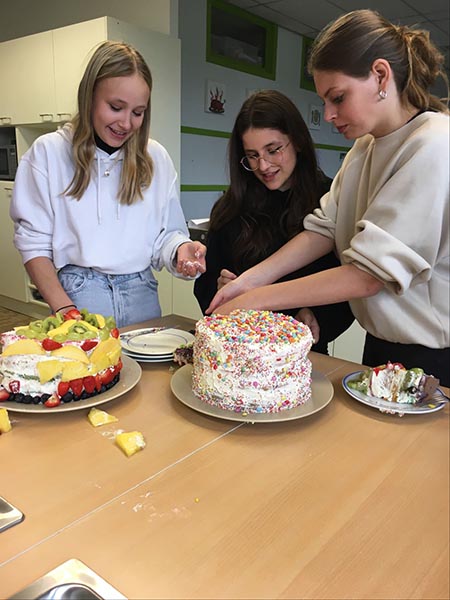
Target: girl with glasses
point(274, 184)
point(387, 213)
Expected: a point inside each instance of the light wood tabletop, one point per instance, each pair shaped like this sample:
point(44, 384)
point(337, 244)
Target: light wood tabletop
point(346, 503)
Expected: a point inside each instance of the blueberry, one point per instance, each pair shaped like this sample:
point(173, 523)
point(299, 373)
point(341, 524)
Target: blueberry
point(19, 397)
point(27, 399)
point(68, 397)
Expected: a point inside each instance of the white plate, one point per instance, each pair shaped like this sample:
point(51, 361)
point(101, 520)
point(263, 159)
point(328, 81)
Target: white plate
point(155, 341)
point(148, 359)
point(322, 393)
point(391, 407)
point(129, 376)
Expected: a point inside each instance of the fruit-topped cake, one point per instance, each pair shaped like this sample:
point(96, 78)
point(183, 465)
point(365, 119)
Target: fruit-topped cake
point(61, 358)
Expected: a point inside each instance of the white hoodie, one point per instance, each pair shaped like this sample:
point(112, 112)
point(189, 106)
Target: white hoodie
point(95, 231)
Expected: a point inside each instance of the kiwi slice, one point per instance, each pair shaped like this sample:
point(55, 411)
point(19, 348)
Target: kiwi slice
point(22, 331)
point(37, 326)
point(104, 334)
point(50, 323)
point(110, 322)
point(60, 337)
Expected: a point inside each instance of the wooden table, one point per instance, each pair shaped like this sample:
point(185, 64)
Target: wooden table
point(346, 503)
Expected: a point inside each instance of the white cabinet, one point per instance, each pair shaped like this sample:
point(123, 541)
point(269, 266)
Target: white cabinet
point(13, 283)
point(27, 73)
point(44, 70)
point(72, 48)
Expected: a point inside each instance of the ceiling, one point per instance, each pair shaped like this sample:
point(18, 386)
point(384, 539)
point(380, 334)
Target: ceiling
point(308, 17)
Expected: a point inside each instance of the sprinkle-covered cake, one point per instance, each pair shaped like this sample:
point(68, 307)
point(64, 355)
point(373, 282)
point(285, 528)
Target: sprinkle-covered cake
point(252, 361)
point(61, 358)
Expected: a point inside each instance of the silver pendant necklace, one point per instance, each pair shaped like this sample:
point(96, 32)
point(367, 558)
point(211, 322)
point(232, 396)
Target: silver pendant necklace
point(110, 167)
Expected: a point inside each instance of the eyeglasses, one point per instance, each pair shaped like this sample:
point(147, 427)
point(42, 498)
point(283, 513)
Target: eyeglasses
point(273, 157)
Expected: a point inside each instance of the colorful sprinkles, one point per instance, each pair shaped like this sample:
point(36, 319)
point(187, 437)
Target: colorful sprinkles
point(252, 361)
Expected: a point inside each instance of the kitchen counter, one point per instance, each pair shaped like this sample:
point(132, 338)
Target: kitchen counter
point(346, 503)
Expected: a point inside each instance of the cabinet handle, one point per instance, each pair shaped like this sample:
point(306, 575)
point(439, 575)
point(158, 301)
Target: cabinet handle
point(6, 120)
point(46, 116)
point(8, 189)
point(62, 115)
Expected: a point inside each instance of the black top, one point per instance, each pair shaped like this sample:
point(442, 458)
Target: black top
point(333, 319)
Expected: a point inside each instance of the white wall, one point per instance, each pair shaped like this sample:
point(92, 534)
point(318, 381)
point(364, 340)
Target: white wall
point(24, 17)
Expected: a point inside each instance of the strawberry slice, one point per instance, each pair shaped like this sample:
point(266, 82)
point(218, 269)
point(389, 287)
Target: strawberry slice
point(4, 394)
point(107, 376)
point(49, 344)
point(88, 345)
point(115, 333)
point(73, 313)
point(98, 383)
point(54, 400)
point(14, 386)
point(63, 388)
point(76, 386)
point(89, 383)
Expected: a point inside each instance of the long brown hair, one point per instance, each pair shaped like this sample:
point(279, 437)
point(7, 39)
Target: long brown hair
point(111, 59)
point(247, 198)
point(354, 41)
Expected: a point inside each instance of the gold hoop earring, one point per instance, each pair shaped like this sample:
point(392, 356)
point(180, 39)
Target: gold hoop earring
point(382, 94)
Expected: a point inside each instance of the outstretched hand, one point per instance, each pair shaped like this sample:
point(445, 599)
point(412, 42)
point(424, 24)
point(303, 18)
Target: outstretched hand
point(191, 259)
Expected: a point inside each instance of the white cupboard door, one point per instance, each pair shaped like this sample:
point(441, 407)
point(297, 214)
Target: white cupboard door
point(73, 46)
point(13, 282)
point(28, 93)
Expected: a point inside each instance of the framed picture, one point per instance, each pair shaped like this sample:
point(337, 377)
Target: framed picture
point(215, 97)
point(240, 40)
point(314, 116)
point(306, 80)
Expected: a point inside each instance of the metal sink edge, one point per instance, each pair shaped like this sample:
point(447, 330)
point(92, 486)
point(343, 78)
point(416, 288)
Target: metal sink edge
point(70, 576)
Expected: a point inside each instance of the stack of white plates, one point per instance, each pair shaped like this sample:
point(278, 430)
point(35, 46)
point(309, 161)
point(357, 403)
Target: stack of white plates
point(155, 344)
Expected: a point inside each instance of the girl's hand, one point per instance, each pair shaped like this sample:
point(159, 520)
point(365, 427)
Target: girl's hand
point(306, 316)
point(191, 259)
point(230, 290)
point(224, 278)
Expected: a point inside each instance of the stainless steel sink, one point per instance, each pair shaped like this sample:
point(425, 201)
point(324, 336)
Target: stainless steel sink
point(70, 591)
point(72, 580)
point(9, 514)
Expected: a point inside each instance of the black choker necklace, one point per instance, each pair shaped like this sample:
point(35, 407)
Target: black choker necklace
point(104, 146)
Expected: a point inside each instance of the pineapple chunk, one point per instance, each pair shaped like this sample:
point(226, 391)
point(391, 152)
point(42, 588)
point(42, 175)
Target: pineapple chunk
point(5, 423)
point(130, 442)
point(100, 417)
point(64, 327)
point(74, 370)
point(24, 347)
point(100, 320)
point(110, 348)
point(100, 364)
point(71, 352)
point(49, 369)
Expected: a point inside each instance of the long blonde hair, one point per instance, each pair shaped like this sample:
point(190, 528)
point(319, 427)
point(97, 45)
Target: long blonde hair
point(111, 59)
point(354, 41)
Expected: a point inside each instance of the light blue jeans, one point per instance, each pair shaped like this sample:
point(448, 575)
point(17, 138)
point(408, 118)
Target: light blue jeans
point(129, 298)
